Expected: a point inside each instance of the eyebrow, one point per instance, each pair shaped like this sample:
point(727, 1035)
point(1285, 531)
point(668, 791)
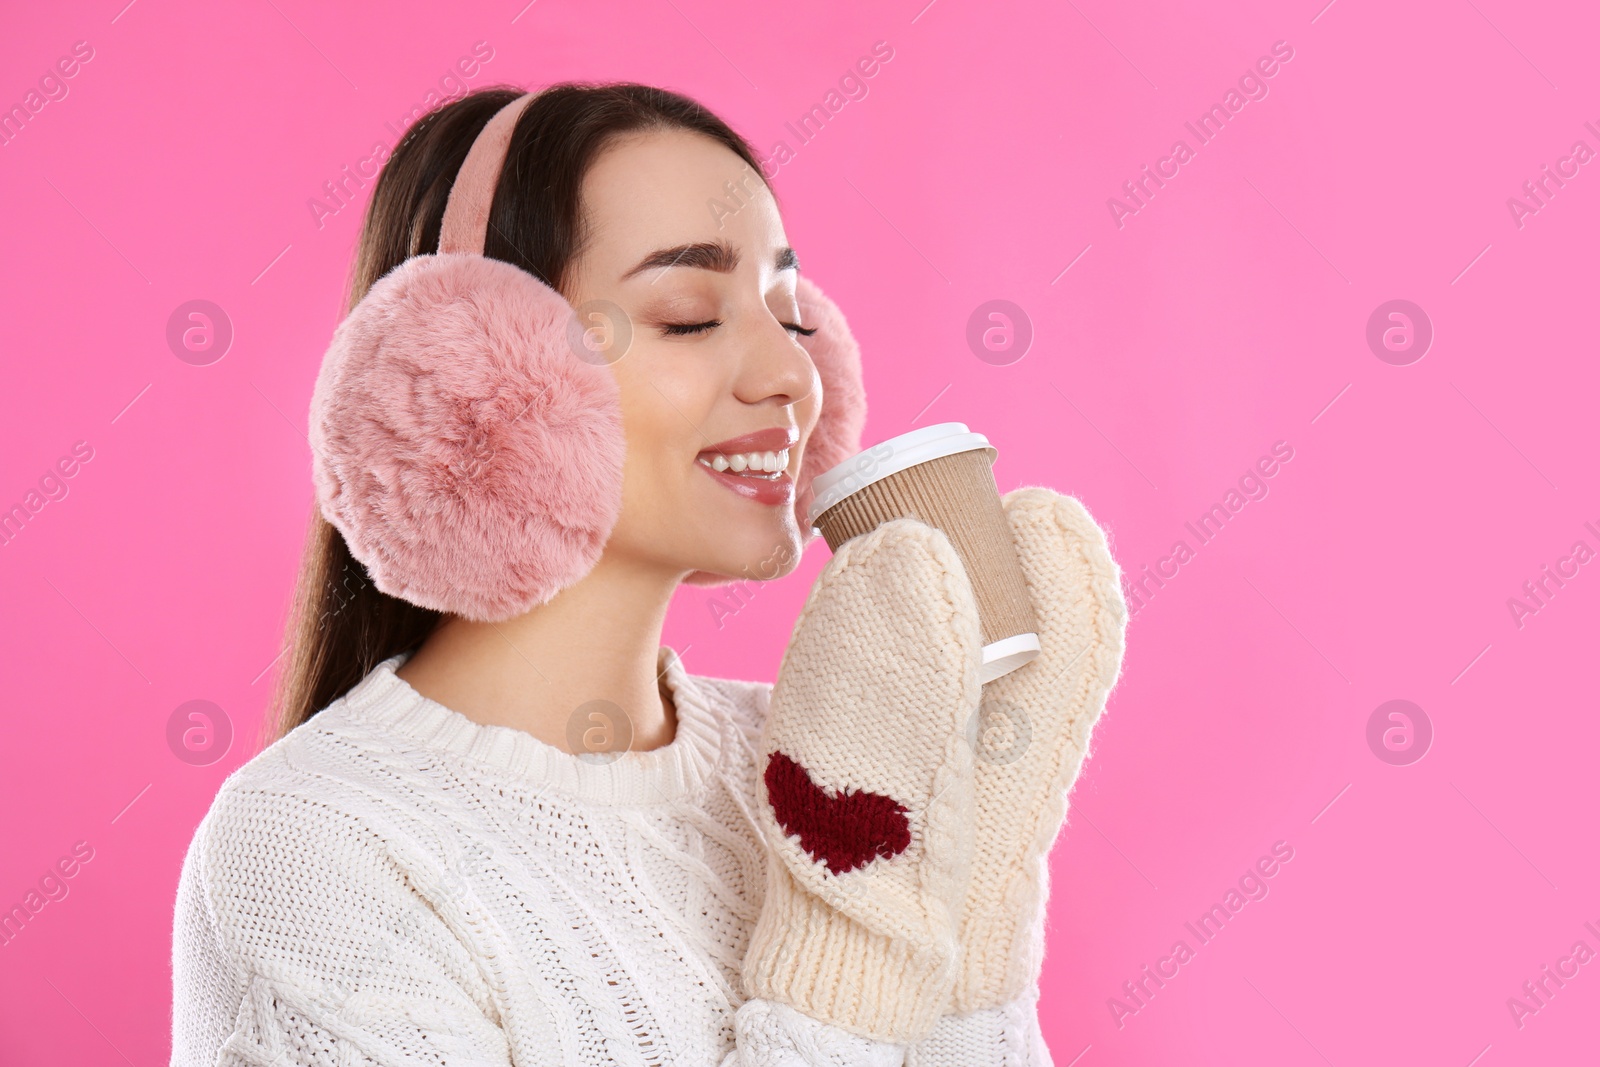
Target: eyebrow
point(719, 256)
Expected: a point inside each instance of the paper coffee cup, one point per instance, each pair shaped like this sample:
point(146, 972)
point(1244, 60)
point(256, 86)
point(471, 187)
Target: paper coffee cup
point(943, 475)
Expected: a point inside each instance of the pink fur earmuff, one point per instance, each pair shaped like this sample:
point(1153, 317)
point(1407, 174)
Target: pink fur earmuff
point(470, 457)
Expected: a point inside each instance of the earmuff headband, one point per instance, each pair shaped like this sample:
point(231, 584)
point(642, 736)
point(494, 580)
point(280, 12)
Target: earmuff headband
point(466, 213)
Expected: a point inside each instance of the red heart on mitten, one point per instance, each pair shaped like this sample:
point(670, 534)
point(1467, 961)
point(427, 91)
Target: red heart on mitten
point(843, 831)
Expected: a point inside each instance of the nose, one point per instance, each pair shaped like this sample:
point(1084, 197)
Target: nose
point(776, 370)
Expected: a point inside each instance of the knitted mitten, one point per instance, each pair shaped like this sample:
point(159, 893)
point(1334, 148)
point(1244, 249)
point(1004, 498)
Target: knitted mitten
point(1031, 734)
point(865, 794)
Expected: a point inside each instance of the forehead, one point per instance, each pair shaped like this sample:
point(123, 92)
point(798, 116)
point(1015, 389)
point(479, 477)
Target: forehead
point(653, 188)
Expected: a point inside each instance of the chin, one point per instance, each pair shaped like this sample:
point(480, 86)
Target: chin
point(756, 551)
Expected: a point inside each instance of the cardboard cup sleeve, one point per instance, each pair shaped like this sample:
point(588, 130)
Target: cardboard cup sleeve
point(942, 475)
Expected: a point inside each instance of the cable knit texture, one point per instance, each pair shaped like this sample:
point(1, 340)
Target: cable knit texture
point(1006, 1035)
point(866, 796)
point(393, 884)
point(1031, 738)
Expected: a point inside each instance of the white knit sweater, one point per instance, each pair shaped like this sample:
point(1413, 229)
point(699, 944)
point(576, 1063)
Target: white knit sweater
point(393, 883)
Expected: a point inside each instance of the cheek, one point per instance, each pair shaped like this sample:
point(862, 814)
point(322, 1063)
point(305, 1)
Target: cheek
point(652, 449)
point(664, 420)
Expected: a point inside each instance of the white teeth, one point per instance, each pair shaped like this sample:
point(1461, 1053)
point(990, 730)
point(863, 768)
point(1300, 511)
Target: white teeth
point(739, 462)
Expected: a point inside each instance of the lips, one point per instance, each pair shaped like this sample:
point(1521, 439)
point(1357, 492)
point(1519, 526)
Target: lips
point(769, 440)
point(762, 487)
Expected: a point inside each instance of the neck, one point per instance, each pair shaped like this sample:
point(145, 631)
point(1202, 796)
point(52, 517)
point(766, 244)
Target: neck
point(596, 640)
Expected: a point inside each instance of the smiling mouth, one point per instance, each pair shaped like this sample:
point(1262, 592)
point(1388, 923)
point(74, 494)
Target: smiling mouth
point(757, 466)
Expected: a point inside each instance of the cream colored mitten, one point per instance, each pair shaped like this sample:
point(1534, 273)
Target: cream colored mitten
point(865, 789)
point(1031, 735)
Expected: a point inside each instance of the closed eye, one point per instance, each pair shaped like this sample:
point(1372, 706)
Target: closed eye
point(681, 329)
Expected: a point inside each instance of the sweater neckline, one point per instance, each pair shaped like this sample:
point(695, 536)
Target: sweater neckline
point(629, 778)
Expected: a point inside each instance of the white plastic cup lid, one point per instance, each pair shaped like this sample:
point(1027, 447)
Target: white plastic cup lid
point(889, 457)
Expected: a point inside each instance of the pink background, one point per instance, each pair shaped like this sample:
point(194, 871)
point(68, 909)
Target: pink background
point(1227, 314)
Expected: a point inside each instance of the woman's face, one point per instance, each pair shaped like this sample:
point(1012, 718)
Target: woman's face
point(684, 239)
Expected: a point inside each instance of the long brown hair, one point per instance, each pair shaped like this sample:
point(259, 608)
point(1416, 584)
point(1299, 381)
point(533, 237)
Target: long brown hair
point(339, 624)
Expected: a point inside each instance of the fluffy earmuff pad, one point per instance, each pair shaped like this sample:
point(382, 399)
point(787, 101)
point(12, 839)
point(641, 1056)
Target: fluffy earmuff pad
point(471, 459)
point(837, 434)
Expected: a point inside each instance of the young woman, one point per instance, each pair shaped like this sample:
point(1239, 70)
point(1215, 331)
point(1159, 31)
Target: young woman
point(541, 840)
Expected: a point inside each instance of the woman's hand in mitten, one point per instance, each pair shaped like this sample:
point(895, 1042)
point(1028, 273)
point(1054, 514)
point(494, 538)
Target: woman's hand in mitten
point(1031, 736)
point(865, 790)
